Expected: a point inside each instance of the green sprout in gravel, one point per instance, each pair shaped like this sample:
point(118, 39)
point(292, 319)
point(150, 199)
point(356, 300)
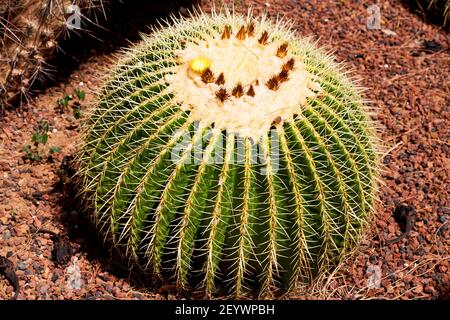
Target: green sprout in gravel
point(63, 103)
point(76, 108)
point(81, 95)
point(37, 151)
point(226, 154)
point(76, 111)
point(78, 97)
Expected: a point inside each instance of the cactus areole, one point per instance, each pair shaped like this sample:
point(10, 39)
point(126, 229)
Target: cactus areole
point(227, 155)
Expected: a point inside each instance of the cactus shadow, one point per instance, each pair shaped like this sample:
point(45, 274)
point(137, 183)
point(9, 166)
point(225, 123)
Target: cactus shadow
point(86, 240)
point(419, 8)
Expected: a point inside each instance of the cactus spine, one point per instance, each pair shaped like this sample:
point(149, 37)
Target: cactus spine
point(29, 35)
point(274, 169)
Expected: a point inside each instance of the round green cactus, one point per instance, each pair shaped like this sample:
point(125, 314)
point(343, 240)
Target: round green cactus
point(226, 154)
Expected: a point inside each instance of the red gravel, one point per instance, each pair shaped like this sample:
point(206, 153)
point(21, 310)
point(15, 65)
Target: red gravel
point(404, 66)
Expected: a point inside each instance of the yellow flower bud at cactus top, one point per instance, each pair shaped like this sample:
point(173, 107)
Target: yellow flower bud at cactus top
point(200, 64)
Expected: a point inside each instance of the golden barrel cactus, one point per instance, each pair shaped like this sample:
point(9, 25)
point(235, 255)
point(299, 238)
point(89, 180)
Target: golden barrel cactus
point(227, 154)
